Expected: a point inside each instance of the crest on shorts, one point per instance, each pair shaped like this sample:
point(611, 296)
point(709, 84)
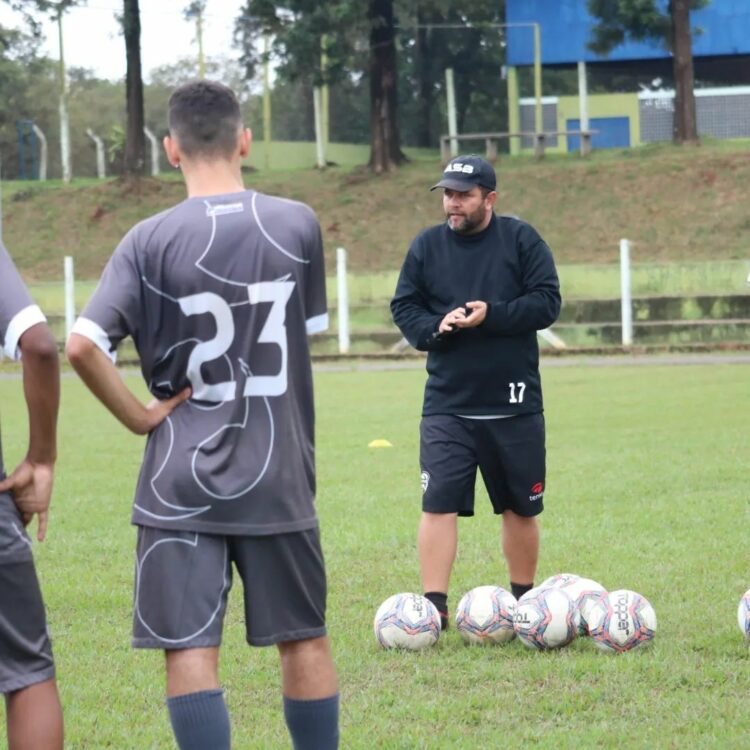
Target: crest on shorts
point(425, 479)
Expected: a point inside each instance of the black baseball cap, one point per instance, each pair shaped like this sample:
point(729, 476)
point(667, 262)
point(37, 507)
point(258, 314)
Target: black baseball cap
point(466, 172)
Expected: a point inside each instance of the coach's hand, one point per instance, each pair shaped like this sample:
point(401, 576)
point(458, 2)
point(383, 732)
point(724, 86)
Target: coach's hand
point(451, 320)
point(158, 410)
point(478, 312)
point(30, 485)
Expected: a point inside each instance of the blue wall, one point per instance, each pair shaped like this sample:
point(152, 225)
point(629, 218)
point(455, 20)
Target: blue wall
point(566, 30)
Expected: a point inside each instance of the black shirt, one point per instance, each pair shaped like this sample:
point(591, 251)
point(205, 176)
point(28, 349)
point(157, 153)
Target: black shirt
point(493, 368)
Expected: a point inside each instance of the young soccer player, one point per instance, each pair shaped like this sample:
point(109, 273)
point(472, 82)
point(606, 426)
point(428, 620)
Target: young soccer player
point(219, 295)
point(27, 671)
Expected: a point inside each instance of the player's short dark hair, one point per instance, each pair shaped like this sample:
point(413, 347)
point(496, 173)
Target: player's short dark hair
point(204, 117)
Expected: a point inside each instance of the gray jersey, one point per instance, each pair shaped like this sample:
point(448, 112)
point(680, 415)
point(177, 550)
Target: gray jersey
point(220, 294)
point(17, 312)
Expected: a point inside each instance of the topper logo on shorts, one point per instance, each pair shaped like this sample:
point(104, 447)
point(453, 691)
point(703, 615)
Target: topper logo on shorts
point(537, 492)
point(459, 167)
point(424, 477)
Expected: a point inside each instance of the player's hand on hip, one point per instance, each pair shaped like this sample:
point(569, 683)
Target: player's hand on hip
point(476, 316)
point(450, 321)
point(159, 409)
point(30, 485)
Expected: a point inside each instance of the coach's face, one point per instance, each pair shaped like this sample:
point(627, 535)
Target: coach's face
point(468, 211)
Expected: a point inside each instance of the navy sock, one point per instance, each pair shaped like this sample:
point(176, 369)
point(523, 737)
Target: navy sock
point(200, 721)
point(440, 600)
point(519, 589)
point(313, 725)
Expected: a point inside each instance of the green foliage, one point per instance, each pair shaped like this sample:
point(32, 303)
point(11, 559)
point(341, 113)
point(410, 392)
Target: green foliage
point(639, 20)
point(303, 30)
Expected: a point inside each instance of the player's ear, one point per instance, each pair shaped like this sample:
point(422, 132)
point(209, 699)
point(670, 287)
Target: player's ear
point(491, 198)
point(246, 138)
point(171, 150)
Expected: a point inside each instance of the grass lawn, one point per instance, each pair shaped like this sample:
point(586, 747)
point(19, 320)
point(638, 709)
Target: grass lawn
point(647, 489)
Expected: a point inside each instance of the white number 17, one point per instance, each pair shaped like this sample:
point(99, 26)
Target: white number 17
point(516, 399)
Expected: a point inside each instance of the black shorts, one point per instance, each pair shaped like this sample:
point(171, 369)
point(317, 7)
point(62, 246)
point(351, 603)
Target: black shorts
point(182, 581)
point(509, 452)
point(25, 650)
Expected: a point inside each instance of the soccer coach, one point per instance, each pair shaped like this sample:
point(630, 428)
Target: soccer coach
point(473, 291)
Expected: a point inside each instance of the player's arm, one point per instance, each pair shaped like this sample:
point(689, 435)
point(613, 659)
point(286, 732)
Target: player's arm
point(30, 483)
point(422, 327)
point(539, 304)
point(101, 376)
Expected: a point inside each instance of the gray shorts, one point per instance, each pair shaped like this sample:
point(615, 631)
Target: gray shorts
point(182, 580)
point(25, 650)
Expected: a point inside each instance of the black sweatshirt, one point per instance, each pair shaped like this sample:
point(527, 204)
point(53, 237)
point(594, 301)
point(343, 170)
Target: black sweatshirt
point(492, 369)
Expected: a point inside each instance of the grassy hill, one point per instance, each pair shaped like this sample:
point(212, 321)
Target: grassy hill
point(675, 204)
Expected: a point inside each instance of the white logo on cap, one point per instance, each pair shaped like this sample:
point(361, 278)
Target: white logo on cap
point(458, 167)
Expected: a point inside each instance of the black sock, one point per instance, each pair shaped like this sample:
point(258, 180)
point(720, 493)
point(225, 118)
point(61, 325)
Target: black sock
point(440, 600)
point(519, 589)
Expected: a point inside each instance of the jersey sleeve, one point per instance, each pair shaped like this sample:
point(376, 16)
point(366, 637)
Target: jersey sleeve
point(316, 306)
point(18, 312)
point(114, 310)
point(410, 306)
point(539, 303)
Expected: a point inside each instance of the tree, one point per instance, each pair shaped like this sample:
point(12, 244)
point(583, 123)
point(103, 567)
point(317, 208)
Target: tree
point(440, 34)
point(196, 9)
point(385, 139)
point(303, 29)
point(135, 141)
point(641, 20)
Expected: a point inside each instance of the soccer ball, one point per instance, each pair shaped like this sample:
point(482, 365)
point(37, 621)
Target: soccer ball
point(584, 592)
point(485, 615)
point(559, 579)
point(546, 618)
point(743, 615)
point(407, 621)
point(627, 621)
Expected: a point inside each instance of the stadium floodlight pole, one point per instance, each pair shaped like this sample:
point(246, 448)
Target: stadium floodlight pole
point(536, 26)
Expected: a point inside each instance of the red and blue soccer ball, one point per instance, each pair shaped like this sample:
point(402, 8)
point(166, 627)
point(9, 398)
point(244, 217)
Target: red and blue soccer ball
point(743, 615)
point(626, 620)
point(485, 615)
point(407, 621)
point(585, 593)
point(546, 618)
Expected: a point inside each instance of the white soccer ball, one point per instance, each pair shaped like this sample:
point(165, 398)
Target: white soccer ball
point(546, 618)
point(485, 615)
point(743, 614)
point(559, 579)
point(627, 621)
point(407, 621)
point(584, 592)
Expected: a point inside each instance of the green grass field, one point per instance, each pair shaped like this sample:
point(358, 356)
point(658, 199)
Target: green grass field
point(647, 489)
